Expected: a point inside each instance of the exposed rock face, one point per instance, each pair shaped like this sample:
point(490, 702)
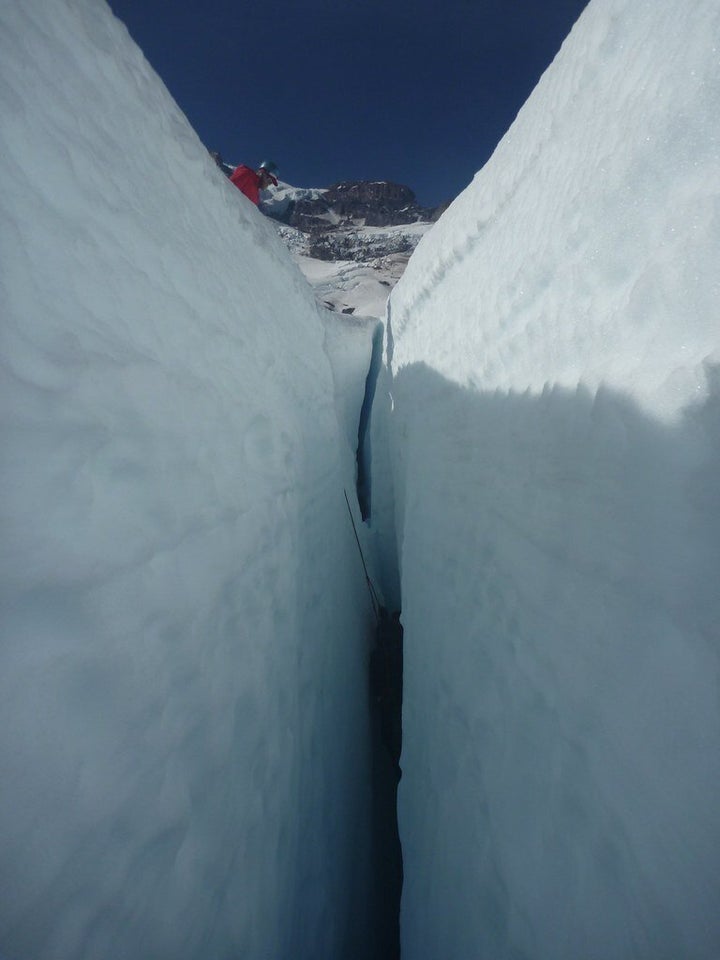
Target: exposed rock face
point(378, 204)
point(371, 192)
point(351, 244)
point(306, 215)
point(357, 203)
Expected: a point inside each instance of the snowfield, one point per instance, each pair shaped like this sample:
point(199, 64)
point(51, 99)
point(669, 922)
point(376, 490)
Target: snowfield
point(185, 766)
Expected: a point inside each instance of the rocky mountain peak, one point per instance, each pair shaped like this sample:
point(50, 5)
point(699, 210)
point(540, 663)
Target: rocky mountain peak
point(377, 192)
point(369, 203)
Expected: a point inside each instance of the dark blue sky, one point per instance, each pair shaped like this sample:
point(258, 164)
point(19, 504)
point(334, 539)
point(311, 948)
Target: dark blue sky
point(416, 91)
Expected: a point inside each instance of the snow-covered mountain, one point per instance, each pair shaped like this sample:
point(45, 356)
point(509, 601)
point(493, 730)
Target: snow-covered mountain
point(352, 241)
point(321, 213)
point(185, 732)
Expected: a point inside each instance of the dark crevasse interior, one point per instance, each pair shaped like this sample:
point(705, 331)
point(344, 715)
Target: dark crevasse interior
point(386, 700)
point(364, 452)
point(385, 689)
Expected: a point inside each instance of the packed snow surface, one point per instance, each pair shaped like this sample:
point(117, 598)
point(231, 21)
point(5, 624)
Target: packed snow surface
point(183, 711)
point(276, 200)
point(368, 263)
point(347, 286)
point(555, 435)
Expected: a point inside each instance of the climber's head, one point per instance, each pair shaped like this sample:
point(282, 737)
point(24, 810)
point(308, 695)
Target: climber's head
point(267, 172)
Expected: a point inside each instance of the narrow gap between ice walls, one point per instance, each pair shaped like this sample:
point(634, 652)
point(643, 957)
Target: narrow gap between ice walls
point(364, 452)
point(385, 679)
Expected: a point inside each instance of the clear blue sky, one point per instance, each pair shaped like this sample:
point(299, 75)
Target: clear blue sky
point(416, 91)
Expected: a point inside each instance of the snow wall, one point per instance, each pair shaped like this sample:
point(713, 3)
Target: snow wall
point(555, 361)
point(183, 706)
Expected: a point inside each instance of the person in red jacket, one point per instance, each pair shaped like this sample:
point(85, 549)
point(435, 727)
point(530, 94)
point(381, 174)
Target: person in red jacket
point(251, 182)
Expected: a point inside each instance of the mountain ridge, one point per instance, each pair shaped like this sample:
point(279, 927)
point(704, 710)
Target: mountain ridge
point(363, 231)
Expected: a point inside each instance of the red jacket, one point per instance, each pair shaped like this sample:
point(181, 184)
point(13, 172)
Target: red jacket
point(248, 181)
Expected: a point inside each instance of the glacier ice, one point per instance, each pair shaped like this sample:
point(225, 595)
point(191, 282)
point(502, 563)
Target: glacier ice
point(184, 752)
point(556, 405)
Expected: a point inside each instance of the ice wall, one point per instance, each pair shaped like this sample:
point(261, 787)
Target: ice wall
point(183, 718)
point(554, 346)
